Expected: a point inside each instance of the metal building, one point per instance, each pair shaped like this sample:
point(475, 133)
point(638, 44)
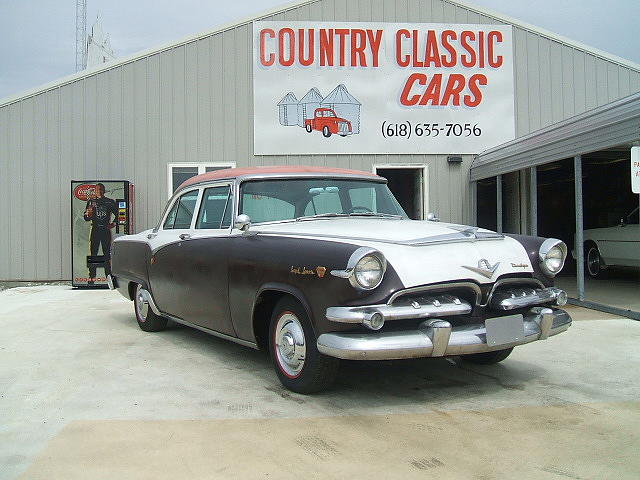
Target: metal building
point(189, 106)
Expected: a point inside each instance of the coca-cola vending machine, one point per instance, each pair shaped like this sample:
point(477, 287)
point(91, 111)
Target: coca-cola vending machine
point(101, 210)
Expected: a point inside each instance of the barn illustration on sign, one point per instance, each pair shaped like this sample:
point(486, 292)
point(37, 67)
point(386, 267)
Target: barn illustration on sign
point(337, 113)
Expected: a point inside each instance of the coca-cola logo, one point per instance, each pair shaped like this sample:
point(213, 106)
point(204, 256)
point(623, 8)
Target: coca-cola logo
point(85, 191)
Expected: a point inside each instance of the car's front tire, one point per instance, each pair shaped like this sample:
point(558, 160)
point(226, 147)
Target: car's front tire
point(326, 132)
point(308, 128)
point(593, 262)
point(146, 317)
point(488, 358)
point(295, 356)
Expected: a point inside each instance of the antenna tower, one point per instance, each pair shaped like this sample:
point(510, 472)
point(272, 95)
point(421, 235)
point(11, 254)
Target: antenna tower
point(81, 35)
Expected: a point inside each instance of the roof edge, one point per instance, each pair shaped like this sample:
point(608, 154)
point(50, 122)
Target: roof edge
point(60, 82)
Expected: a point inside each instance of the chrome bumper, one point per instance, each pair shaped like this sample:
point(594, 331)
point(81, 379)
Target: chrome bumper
point(437, 338)
point(112, 282)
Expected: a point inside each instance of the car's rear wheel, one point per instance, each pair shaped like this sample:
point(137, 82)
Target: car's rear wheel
point(488, 358)
point(308, 128)
point(146, 317)
point(292, 345)
point(593, 262)
point(326, 132)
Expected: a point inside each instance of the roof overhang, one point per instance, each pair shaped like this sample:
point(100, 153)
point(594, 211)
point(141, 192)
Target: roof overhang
point(612, 125)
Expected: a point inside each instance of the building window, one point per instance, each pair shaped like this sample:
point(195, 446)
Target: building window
point(179, 172)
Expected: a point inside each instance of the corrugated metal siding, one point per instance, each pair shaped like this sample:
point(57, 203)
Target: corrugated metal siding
point(193, 103)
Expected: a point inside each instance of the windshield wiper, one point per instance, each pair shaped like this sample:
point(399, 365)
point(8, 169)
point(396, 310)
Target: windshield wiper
point(321, 215)
point(374, 214)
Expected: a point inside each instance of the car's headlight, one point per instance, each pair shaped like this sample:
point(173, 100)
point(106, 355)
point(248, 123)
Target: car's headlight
point(365, 269)
point(368, 272)
point(552, 255)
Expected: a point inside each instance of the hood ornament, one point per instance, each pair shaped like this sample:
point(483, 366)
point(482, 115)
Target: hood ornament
point(484, 268)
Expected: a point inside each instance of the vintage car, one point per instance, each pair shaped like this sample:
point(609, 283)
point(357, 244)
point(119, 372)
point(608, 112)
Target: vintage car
point(320, 264)
point(326, 121)
point(612, 246)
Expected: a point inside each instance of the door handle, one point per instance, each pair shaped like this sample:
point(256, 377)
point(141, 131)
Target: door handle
point(185, 236)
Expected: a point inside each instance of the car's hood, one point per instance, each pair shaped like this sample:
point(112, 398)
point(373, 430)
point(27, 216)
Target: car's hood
point(421, 252)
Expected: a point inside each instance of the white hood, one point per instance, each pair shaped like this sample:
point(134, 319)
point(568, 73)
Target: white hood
point(421, 252)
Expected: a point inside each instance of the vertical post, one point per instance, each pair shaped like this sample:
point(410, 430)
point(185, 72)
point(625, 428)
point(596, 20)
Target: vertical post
point(499, 203)
point(473, 203)
point(533, 200)
point(577, 171)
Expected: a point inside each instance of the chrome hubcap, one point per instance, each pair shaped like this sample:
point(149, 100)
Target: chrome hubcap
point(593, 261)
point(290, 348)
point(142, 305)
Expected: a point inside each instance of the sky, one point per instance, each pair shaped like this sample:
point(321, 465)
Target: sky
point(37, 37)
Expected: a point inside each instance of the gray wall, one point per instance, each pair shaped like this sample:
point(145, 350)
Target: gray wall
point(193, 103)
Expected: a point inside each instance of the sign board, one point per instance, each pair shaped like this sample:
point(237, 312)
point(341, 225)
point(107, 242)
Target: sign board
point(356, 88)
point(635, 169)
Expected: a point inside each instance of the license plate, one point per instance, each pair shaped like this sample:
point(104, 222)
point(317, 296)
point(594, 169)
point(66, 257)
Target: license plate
point(504, 330)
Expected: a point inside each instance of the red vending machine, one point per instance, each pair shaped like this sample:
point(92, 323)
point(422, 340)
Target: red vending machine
point(101, 210)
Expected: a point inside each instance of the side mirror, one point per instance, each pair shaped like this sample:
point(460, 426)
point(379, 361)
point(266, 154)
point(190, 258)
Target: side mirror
point(243, 222)
point(432, 217)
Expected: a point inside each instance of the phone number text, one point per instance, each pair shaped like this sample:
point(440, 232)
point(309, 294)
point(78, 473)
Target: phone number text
point(407, 129)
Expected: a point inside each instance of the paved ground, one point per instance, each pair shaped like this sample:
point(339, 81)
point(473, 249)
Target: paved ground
point(86, 394)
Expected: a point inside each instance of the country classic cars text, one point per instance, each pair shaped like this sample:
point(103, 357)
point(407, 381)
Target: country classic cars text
point(447, 64)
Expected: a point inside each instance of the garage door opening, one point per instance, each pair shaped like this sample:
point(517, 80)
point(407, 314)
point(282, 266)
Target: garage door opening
point(409, 185)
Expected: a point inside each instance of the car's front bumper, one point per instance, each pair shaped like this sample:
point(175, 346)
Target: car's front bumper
point(437, 338)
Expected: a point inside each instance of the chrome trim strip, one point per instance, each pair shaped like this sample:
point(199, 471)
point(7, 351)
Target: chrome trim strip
point(438, 286)
point(156, 310)
point(429, 339)
point(436, 240)
point(438, 308)
point(511, 299)
point(506, 281)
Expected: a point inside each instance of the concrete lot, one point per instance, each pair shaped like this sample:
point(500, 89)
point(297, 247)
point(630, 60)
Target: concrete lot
point(86, 394)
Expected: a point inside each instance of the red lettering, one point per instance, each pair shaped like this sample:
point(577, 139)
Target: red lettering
point(455, 85)
point(419, 78)
point(432, 94)
point(342, 33)
point(358, 45)
point(432, 56)
point(452, 60)
point(286, 62)
point(494, 62)
point(270, 60)
point(464, 37)
point(305, 62)
point(326, 47)
point(375, 41)
point(474, 82)
point(402, 61)
point(416, 38)
point(481, 48)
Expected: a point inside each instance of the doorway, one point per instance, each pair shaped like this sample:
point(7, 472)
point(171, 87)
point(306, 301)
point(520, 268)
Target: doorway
point(409, 184)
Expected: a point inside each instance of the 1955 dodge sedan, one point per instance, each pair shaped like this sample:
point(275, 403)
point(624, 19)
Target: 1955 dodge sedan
point(318, 264)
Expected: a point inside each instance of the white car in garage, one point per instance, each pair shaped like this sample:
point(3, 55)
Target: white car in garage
point(613, 246)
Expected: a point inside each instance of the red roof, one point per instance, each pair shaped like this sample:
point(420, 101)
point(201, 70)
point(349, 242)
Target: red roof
point(277, 169)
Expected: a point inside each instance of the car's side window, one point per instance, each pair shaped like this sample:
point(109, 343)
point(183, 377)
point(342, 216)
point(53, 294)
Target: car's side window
point(182, 212)
point(214, 206)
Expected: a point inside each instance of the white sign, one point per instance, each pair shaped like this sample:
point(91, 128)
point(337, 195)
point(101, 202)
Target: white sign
point(635, 169)
point(351, 88)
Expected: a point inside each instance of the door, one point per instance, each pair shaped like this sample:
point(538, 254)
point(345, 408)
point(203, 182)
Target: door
point(204, 262)
point(409, 186)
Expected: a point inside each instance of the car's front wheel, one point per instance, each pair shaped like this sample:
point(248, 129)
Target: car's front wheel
point(297, 361)
point(146, 317)
point(488, 358)
point(308, 128)
point(593, 262)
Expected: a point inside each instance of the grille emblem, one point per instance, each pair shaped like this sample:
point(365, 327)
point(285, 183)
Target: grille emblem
point(484, 268)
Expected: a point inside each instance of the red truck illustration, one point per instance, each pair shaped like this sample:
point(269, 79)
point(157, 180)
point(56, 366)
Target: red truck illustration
point(326, 121)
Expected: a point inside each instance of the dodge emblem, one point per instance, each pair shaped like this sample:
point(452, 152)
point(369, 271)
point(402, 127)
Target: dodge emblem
point(484, 268)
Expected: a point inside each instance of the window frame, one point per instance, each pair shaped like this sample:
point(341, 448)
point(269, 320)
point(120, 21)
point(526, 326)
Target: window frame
point(201, 166)
point(196, 208)
point(231, 207)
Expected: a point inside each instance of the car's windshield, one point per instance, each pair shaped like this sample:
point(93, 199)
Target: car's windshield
point(301, 198)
